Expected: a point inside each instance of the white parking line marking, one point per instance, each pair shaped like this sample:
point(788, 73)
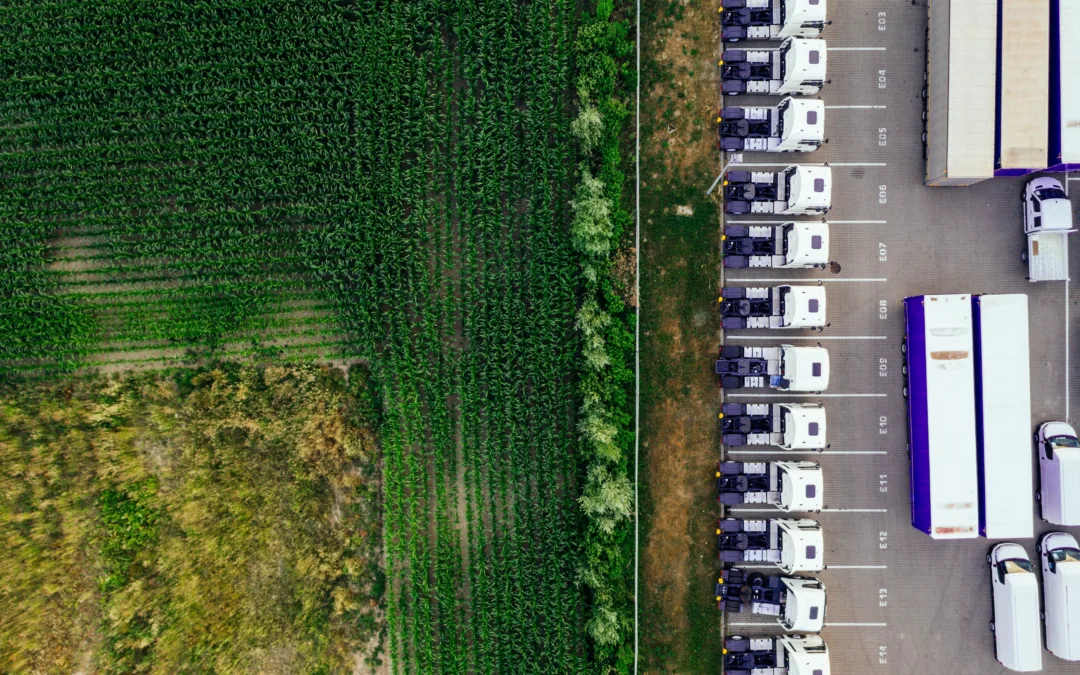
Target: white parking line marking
point(857, 222)
point(855, 107)
point(1067, 347)
point(855, 625)
point(856, 567)
point(855, 49)
point(735, 221)
point(807, 452)
point(736, 509)
point(854, 510)
point(826, 280)
point(810, 337)
point(787, 164)
point(786, 394)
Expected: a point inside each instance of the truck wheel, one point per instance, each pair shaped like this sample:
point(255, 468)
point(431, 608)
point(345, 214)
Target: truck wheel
point(903, 346)
point(797, 636)
point(989, 559)
point(904, 392)
point(903, 370)
point(736, 637)
point(1038, 496)
point(1038, 549)
point(1035, 438)
point(992, 627)
point(1042, 616)
point(1023, 256)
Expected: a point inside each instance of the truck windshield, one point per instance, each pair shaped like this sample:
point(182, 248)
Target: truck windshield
point(1017, 565)
point(785, 52)
point(780, 110)
point(789, 174)
point(1065, 554)
point(1064, 442)
point(1050, 193)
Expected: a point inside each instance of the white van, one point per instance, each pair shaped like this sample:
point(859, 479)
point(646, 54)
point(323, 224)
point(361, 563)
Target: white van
point(1015, 624)
point(1059, 473)
point(1060, 556)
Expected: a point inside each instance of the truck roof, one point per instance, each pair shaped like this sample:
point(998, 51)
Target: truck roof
point(805, 59)
point(804, 119)
point(1022, 94)
point(808, 244)
point(803, 488)
point(805, 425)
point(805, 307)
point(802, 11)
point(806, 368)
point(811, 189)
point(803, 545)
point(805, 606)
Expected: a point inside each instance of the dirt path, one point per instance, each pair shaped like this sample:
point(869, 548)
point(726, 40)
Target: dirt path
point(679, 622)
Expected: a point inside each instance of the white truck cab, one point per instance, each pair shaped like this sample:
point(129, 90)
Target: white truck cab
point(1059, 473)
point(1015, 624)
point(797, 603)
point(781, 246)
point(790, 426)
point(784, 655)
point(794, 125)
point(777, 307)
point(770, 19)
point(800, 189)
point(789, 486)
point(1060, 557)
point(786, 368)
point(1048, 221)
point(792, 544)
point(798, 66)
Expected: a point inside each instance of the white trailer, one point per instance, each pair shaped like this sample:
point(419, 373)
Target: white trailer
point(961, 91)
point(798, 604)
point(793, 545)
point(785, 246)
point(1022, 92)
point(770, 19)
point(1047, 224)
point(796, 67)
point(787, 368)
point(1064, 145)
point(794, 655)
point(797, 190)
point(940, 391)
point(789, 486)
point(772, 307)
point(1003, 416)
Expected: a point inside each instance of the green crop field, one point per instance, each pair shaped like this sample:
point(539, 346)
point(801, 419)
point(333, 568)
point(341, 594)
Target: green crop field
point(432, 188)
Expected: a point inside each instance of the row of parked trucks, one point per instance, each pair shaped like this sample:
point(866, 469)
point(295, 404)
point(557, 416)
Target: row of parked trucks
point(791, 545)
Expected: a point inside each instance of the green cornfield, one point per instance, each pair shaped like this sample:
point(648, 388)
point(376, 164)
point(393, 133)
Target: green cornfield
point(331, 180)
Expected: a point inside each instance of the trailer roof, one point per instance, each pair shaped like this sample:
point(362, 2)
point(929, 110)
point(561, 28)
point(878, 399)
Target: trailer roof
point(1023, 97)
point(941, 409)
point(1003, 388)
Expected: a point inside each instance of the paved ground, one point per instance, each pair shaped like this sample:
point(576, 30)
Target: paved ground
point(898, 601)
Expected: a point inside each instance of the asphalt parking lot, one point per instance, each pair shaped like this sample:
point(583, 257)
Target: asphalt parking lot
point(899, 602)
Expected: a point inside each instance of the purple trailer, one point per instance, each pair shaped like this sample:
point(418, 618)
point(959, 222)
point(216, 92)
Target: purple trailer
point(940, 393)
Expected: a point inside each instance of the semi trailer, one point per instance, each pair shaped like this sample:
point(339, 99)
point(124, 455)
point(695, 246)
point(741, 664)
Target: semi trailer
point(772, 307)
point(797, 66)
point(797, 190)
point(940, 391)
point(785, 655)
point(771, 19)
point(787, 368)
point(782, 246)
point(793, 125)
point(789, 486)
point(798, 604)
point(1003, 416)
point(791, 426)
point(1064, 133)
point(793, 545)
